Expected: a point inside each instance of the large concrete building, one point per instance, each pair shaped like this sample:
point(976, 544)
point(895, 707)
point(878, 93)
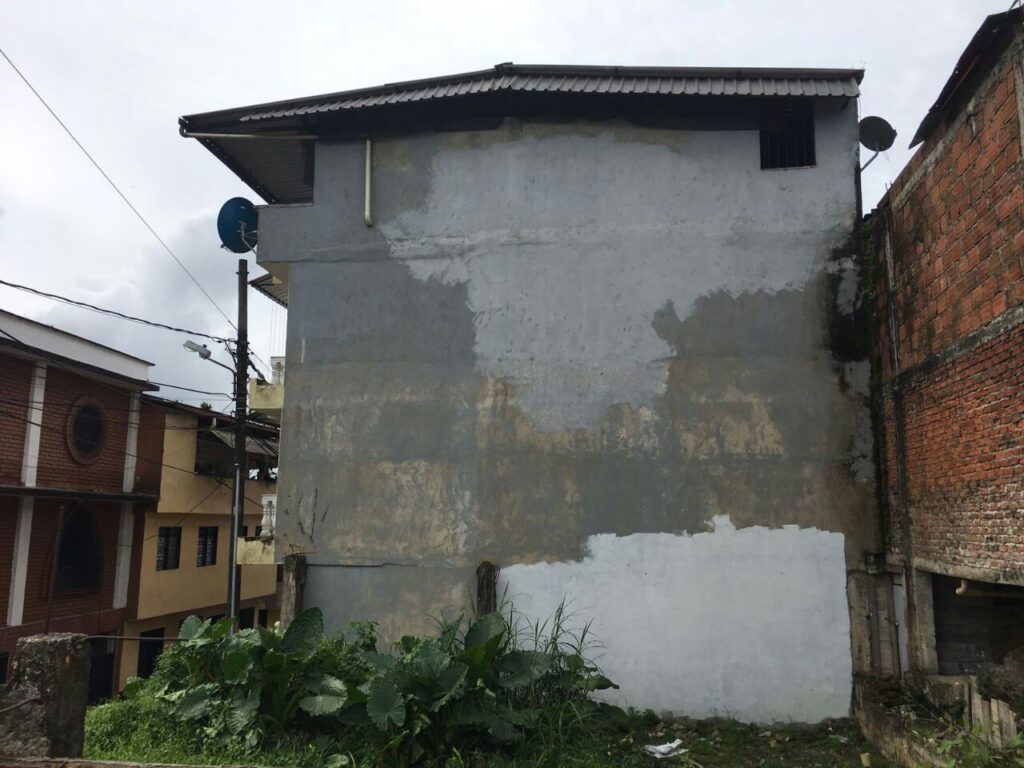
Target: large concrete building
point(600, 327)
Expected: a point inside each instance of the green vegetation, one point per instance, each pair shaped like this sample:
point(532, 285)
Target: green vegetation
point(477, 694)
point(482, 693)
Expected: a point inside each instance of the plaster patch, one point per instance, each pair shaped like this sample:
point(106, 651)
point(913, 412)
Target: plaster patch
point(750, 624)
point(582, 238)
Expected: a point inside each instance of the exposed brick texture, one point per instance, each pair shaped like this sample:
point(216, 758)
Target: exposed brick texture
point(957, 231)
point(57, 467)
point(44, 531)
point(15, 385)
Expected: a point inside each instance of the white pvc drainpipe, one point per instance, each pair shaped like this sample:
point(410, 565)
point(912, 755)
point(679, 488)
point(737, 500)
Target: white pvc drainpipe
point(367, 216)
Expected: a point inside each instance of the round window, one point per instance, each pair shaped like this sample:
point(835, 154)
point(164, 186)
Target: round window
point(86, 430)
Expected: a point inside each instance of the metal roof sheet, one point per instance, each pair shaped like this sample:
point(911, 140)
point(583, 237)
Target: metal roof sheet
point(974, 62)
point(675, 81)
point(267, 145)
point(272, 288)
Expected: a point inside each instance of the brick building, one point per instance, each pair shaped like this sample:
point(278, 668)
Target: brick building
point(73, 484)
point(949, 336)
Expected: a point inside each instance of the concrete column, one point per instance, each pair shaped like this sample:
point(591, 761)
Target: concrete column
point(29, 469)
point(921, 622)
point(292, 587)
point(123, 564)
point(42, 712)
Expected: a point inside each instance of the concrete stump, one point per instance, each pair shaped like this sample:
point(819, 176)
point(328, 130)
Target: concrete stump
point(42, 710)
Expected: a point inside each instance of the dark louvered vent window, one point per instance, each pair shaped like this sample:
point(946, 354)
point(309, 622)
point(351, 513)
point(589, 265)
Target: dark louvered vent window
point(168, 548)
point(787, 136)
point(206, 551)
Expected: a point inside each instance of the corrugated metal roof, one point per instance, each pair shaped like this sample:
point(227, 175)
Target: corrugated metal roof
point(664, 81)
point(972, 65)
point(272, 288)
point(267, 144)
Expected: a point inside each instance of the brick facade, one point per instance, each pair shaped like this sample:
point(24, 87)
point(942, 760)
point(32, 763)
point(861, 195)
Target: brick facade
point(90, 609)
point(57, 467)
point(955, 221)
point(15, 385)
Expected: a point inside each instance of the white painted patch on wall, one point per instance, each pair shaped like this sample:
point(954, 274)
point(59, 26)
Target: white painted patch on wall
point(750, 624)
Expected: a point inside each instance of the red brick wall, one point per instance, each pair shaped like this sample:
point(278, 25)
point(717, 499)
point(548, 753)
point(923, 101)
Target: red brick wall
point(8, 520)
point(957, 229)
point(44, 530)
point(150, 448)
point(57, 466)
point(15, 385)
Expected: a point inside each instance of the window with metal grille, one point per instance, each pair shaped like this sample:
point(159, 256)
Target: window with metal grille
point(168, 548)
point(206, 550)
point(787, 135)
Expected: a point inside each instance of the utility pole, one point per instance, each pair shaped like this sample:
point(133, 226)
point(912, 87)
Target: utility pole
point(241, 456)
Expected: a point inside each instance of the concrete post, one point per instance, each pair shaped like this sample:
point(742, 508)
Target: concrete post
point(42, 710)
point(921, 623)
point(292, 586)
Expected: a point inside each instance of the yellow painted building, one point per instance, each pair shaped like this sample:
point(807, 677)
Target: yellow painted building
point(183, 553)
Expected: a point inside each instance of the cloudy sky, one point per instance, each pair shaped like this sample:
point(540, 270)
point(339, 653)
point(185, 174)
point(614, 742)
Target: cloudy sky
point(120, 73)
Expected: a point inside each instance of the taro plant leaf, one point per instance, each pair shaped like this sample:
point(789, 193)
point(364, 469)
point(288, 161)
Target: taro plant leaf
point(479, 657)
point(304, 633)
point(385, 704)
point(483, 630)
point(322, 703)
point(448, 684)
point(243, 710)
point(518, 669)
point(430, 662)
point(268, 638)
point(328, 684)
point(221, 628)
point(194, 703)
point(191, 628)
point(329, 694)
point(236, 666)
point(499, 728)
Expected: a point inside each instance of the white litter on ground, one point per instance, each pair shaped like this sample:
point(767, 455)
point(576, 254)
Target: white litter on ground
point(661, 751)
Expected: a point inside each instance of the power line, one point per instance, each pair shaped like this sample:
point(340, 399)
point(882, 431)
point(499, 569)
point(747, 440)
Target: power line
point(135, 456)
point(111, 312)
point(117, 189)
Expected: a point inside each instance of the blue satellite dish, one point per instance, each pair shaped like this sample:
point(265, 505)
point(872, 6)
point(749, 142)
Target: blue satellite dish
point(236, 225)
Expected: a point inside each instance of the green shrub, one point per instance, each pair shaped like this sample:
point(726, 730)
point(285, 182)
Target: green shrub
point(322, 700)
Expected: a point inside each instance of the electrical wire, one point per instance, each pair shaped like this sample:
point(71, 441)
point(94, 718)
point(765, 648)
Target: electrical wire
point(110, 312)
point(193, 508)
point(116, 188)
point(135, 456)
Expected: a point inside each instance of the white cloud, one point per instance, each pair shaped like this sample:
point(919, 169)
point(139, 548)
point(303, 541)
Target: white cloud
point(120, 73)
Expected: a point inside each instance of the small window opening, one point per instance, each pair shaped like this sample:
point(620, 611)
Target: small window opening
point(787, 136)
point(86, 431)
point(80, 555)
point(168, 548)
point(206, 551)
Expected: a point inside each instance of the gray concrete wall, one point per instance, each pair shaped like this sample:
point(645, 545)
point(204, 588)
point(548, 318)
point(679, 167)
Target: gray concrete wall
point(593, 347)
